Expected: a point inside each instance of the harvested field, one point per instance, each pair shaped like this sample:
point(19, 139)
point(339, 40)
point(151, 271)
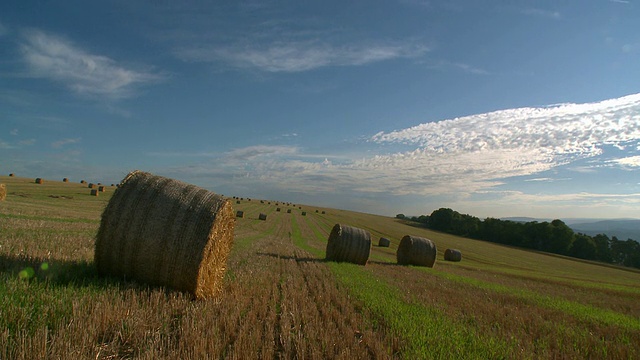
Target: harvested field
point(280, 299)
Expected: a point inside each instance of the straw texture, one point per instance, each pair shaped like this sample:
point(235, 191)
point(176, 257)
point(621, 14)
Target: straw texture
point(348, 244)
point(165, 232)
point(417, 251)
point(452, 255)
point(3, 192)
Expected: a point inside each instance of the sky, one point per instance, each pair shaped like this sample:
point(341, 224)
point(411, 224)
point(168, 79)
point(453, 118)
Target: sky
point(491, 108)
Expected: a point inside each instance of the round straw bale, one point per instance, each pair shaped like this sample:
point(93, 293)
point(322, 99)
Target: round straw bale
point(94, 192)
point(237, 201)
point(415, 250)
point(304, 213)
point(240, 214)
point(384, 242)
point(102, 188)
point(452, 255)
point(323, 212)
point(348, 244)
point(83, 182)
point(278, 209)
point(65, 180)
point(39, 181)
point(288, 211)
point(11, 175)
point(91, 185)
point(165, 232)
point(262, 216)
point(3, 192)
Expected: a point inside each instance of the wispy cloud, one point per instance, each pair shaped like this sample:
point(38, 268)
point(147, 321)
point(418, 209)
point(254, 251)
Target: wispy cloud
point(14, 132)
point(629, 162)
point(300, 56)
point(53, 57)
point(549, 14)
point(3, 29)
point(620, 1)
point(60, 143)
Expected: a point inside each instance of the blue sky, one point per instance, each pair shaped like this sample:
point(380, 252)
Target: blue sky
point(492, 108)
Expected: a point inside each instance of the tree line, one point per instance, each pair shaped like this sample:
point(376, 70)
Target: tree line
point(554, 237)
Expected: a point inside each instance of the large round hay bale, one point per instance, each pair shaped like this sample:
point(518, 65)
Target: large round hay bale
point(94, 192)
point(65, 180)
point(348, 244)
point(3, 192)
point(452, 255)
point(278, 209)
point(240, 214)
point(102, 188)
point(11, 175)
point(165, 232)
point(288, 211)
point(262, 216)
point(39, 181)
point(384, 242)
point(415, 250)
point(304, 213)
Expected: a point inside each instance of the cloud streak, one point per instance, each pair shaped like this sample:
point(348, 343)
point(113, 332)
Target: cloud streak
point(300, 56)
point(52, 57)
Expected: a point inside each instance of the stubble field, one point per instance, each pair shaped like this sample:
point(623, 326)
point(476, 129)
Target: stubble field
point(280, 298)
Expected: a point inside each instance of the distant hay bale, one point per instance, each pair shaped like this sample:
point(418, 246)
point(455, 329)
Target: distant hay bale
point(316, 210)
point(384, 242)
point(348, 244)
point(261, 201)
point(288, 211)
point(323, 212)
point(3, 192)
point(91, 185)
point(262, 216)
point(39, 181)
point(304, 213)
point(82, 182)
point(102, 188)
point(417, 251)
point(452, 255)
point(65, 180)
point(11, 175)
point(165, 232)
point(240, 214)
point(94, 192)
point(278, 209)
point(237, 201)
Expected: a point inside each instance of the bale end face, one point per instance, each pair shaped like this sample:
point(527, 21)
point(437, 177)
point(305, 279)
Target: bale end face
point(348, 244)
point(416, 251)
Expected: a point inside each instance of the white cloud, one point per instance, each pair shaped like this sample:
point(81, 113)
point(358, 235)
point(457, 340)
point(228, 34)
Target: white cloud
point(628, 162)
point(14, 132)
point(299, 56)
point(458, 156)
point(64, 142)
point(55, 58)
point(253, 152)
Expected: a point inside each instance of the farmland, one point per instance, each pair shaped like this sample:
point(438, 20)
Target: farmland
point(280, 299)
